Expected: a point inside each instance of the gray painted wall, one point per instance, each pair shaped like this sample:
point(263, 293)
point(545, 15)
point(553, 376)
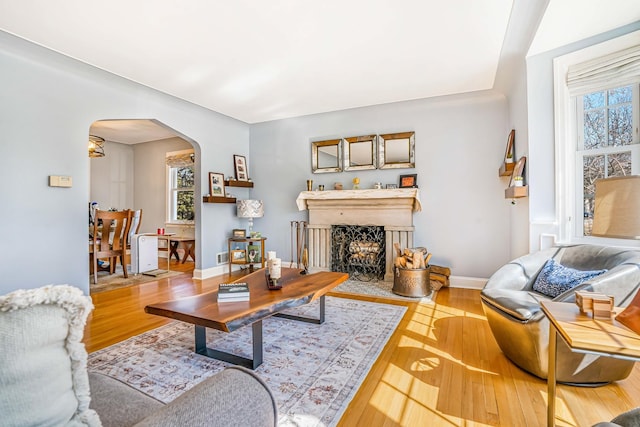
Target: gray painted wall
point(48, 104)
point(150, 180)
point(111, 177)
point(460, 143)
point(542, 195)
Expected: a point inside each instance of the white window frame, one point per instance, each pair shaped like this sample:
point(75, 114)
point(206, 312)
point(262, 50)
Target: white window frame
point(171, 190)
point(567, 170)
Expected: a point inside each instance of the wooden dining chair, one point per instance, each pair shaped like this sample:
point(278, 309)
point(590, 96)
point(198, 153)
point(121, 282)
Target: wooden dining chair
point(110, 234)
point(136, 220)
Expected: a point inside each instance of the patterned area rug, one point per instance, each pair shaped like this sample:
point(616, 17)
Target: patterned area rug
point(381, 289)
point(107, 282)
point(313, 370)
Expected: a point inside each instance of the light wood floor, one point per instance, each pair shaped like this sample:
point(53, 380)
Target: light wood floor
point(441, 367)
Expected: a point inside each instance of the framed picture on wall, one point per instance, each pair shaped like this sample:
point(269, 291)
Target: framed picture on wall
point(240, 164)
point(216, 184)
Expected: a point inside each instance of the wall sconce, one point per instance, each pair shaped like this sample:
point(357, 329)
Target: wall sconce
point(96, 146)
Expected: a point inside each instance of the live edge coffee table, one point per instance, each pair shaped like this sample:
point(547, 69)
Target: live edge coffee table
point(204, 311)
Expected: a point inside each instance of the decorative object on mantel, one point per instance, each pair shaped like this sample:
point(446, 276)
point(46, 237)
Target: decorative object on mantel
point(337, 186)
point(409, 181)
point(309, 185)
point(507, 165)
point(240, 164)
point(96, 146)
point(356, 183)
point(250, 209)
point(514, 190)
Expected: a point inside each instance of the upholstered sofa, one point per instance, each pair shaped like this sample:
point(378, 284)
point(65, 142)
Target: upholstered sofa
point(511, 305)
point(628, 419)
point(44, 378)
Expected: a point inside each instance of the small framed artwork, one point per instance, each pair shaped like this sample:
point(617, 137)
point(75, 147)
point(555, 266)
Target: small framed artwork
point(409, 181)
point(238, 255)
point(253, 253)
point(240, 163)
point(216, 184)
point(391, 186)
point(510, 151)
point(239, 232)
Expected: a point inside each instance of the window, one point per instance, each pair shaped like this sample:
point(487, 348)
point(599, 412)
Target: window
point(606, 145)
point(597, 115)
point(180, 187)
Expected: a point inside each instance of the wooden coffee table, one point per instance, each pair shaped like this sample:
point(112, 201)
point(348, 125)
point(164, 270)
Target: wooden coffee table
point(204, 311)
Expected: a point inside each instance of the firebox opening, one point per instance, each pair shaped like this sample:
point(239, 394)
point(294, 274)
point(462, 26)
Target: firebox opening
point(359, 251)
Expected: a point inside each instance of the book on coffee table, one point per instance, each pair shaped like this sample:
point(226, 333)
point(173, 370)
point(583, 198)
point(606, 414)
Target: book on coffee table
point(233, 292)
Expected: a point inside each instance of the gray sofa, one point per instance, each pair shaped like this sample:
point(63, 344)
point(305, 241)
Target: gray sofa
point(521, 329)
point(44, 378)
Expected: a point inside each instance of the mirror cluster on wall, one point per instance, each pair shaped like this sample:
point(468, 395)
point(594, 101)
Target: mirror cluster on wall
point(387, 151)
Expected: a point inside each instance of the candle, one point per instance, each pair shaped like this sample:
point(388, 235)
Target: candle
point(274, 265)
point(271, 255)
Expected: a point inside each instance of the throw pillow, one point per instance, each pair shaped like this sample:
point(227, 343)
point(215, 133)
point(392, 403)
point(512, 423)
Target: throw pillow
point(43, 372)
point(555, 279)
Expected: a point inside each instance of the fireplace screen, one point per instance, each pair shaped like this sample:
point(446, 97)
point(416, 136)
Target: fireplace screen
point(359, 251)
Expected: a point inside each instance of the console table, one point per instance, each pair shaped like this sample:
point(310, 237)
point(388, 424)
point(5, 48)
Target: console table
point(584, 334)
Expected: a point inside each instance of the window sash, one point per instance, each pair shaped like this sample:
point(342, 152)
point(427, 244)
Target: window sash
point(172, 196)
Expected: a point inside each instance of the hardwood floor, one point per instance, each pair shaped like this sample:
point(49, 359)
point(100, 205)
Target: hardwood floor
point(441, 367)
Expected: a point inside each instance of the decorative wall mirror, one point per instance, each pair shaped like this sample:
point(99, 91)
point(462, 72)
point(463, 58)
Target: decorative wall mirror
point(326, 156)
point(396, 150)
point(360, 152)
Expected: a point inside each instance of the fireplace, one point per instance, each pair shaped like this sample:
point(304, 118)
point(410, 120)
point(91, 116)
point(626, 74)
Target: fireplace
point(391, 211)
point(359, 251)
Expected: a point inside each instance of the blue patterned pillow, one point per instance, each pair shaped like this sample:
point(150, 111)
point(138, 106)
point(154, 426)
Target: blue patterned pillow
point(555, 278)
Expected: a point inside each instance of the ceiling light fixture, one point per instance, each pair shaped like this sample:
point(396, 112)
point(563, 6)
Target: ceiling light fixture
point(96, 146)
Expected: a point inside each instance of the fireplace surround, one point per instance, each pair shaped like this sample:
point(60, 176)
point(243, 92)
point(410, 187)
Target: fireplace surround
point(391, 209)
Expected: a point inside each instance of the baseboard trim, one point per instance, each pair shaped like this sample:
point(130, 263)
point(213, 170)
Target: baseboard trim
point(467, 282)
point(207, 273)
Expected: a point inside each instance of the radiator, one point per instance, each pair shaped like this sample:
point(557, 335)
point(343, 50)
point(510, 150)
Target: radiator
point(144, 253)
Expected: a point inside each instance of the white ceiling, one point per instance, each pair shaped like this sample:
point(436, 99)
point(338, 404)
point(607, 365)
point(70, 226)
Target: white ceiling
point(258, 60)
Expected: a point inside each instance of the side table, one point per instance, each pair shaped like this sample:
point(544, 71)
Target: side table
point(246, 241)
point(584, 334)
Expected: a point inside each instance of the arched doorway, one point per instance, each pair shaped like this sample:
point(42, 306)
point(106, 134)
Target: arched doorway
point(150, 167)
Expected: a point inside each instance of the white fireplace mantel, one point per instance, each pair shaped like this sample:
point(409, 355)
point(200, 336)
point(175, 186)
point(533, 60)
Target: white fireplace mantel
point(391, 208)
point(370, 194)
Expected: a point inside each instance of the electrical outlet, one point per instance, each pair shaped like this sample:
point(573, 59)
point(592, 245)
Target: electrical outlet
point(223, 258)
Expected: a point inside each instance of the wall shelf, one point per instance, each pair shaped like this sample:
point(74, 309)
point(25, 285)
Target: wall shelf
point(516, 192)
point(236, 183)
point(231, 183)
point(213, 199)
point(506, 169)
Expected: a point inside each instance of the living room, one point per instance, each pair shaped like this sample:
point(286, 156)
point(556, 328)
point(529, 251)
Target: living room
point(50, 102)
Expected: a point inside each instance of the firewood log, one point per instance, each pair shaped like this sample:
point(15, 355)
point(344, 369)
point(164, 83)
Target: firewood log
point(396, 246)
point(426, 260)
point(417, 257)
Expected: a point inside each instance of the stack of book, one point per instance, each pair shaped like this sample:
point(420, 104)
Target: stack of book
point(233, 292)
